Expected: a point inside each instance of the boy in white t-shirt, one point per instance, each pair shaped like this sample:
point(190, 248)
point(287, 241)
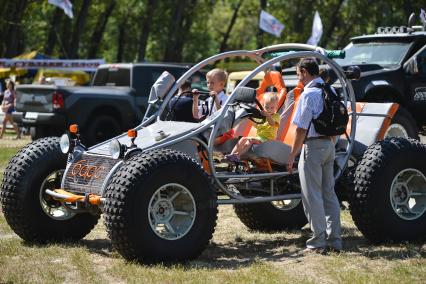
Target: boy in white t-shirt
point(216, 81)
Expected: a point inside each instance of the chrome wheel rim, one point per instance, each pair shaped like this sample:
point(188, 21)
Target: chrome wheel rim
point(171, 211)
point(396, 130)
point(408, 194)
point(53, 209)
point(286, 205)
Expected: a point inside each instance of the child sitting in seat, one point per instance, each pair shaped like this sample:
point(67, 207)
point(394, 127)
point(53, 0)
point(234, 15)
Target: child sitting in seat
point(266, 131)
point(216, 81)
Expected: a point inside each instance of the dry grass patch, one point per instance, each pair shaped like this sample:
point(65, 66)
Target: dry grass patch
point(5, 155)
point(235, 255)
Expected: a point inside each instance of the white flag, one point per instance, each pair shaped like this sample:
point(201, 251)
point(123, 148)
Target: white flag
point(269, 24)
point(316, 30)
point(423, 17)
point(65, 5)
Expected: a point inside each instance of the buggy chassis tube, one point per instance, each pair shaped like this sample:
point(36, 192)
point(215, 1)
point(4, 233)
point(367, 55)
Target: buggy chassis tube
point(230, 201)
point(293, 55)
point(205, 62)
point(371, 114)
point(259, 199)
point(64, 196)
point(216, 119)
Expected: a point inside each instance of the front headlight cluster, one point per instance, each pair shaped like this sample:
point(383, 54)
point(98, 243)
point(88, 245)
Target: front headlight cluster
point(116, 149)
point(65, 143)
point(69, 140)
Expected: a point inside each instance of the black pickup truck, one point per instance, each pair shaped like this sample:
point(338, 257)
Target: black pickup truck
point(393, 66)
point(115, 101)
point(393, 69)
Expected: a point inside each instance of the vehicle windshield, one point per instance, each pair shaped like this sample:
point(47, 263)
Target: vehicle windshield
point(118, 77)
point(381, 53)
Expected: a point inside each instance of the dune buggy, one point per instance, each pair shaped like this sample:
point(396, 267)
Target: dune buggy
point(159, 186)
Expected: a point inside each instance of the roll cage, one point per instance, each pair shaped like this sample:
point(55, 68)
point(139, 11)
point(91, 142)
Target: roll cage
point(279, 53)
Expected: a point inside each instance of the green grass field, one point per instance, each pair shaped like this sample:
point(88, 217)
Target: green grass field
point(235, 255)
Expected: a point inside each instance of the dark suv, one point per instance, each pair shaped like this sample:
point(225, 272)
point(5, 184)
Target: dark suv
point(393, 66)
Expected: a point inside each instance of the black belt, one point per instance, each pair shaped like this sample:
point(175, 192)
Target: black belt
point(318, 138)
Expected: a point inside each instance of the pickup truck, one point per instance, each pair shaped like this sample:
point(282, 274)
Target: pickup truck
point(393, 66)
point(115, 101)
point(393, 69)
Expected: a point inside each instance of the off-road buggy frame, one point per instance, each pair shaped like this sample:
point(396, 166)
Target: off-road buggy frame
point(159, 187)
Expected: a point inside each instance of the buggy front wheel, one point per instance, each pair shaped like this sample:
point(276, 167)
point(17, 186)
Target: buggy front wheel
point(160, 206)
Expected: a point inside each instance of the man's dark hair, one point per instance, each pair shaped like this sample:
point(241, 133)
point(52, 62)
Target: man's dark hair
point(186, 85)
point(310, 65)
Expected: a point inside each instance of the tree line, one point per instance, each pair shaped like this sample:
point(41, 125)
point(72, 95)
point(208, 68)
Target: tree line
point(183, 30)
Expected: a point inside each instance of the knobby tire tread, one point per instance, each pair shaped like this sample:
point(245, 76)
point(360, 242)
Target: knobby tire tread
point(136, 168)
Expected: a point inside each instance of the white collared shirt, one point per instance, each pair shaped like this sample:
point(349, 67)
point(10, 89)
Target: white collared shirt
point(204, 108)
point(310, 106)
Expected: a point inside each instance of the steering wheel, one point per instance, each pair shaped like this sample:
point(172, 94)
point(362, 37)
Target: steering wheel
point(253, 113)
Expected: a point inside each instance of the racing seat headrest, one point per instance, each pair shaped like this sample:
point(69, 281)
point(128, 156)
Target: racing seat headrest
point(245, 95)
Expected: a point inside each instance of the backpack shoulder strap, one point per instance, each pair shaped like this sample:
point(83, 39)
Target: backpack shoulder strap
point(318, 85)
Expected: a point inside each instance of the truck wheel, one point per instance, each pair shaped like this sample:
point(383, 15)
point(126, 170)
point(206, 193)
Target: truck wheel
point(272, 216)
point(101, 128)
point(402, 125)
point(160, 206)
point(37, 133)
point(389, 198)
point(32, 214)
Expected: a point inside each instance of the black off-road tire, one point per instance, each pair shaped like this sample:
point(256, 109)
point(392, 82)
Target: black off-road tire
point(370, 202)
point(100, 128)
point(20, 195)
point(265, 217)
point(404, 119)
point(44, 131)
point(128, 196)
point(38, 132)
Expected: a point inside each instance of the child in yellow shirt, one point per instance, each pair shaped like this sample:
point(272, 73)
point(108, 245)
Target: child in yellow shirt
point(266, 131)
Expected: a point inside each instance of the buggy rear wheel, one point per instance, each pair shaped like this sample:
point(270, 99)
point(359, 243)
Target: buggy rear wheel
point(402, 125)
point(160, 206)
point(389, 198)
point(272, 216)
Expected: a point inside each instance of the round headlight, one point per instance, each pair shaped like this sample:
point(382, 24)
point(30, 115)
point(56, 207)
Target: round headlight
point(115, 149)
point(65, 143)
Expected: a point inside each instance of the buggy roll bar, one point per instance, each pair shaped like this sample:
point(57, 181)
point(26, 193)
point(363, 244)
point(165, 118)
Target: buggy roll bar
point(214, 121)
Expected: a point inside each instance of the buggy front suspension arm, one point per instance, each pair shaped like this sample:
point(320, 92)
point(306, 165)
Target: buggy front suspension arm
point(65, 196)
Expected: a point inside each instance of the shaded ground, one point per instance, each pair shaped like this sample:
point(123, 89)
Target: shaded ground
point(234, 255)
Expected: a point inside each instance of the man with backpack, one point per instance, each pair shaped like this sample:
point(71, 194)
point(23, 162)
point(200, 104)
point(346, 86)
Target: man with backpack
point(316, 160)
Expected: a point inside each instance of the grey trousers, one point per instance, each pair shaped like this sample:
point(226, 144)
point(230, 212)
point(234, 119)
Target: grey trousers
point(320, 202)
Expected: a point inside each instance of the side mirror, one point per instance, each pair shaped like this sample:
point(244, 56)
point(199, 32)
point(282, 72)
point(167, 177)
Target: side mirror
point(411, 67)
point(353, 72)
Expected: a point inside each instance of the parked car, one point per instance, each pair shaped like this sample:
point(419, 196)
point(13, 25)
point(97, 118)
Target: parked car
point(115, 101)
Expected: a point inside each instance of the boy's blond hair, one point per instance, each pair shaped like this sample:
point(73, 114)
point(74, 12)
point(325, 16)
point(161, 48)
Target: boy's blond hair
point(220, 74)
point(270, 97)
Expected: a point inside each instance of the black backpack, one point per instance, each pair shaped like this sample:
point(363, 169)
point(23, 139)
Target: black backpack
point(334, 116)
